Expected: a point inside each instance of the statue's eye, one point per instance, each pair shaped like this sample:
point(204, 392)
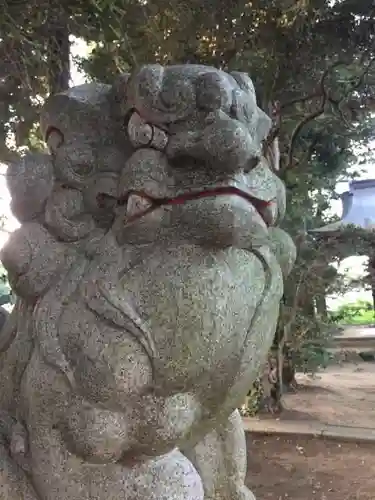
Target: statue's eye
point(54, 139)
point(74, 163)
point(82, 169)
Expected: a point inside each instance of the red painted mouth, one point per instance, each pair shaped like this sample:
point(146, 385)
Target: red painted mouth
point(154, 203)
point(214, 192)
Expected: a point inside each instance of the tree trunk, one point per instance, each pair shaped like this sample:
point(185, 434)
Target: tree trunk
point(371, 268)
point(321, 306)
point(58, 49)
point(264, 395)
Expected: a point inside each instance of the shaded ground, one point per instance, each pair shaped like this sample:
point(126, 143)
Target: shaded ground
point(296, 468)
point(300, 468)
point(343, 395)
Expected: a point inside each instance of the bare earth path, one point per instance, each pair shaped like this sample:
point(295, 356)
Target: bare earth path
point(307, 468)
point(341, 395)
point(296, 468)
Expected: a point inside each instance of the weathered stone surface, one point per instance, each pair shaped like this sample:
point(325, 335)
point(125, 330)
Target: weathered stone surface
point(148, 281)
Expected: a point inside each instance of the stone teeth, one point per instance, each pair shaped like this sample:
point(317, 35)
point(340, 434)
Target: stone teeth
point(160, 139)
point(137, 205)
point(140, 132)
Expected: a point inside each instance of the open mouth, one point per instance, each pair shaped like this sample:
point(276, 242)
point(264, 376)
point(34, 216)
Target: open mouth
point(140, 203)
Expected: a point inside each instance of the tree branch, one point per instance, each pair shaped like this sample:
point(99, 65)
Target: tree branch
point(300, 99)
point(324, 99)
point(312, 116)
point(360, 80)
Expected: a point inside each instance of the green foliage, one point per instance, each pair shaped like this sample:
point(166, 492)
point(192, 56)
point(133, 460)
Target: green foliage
point(354, 313)
point(286, 46)
point(309, 340)
point(312, 356)
point(349, 240)
point(254, 400)
point(5, 290)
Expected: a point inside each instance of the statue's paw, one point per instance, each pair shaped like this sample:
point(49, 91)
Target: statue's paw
point(14, 484)
point(19, 446)
point(96, 435)
point(13, 481)
point(32, 258)
point(241, 493)
point(245, 494)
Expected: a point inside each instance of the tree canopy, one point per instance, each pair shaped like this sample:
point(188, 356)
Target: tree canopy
point(311, 60)
point(312, 63)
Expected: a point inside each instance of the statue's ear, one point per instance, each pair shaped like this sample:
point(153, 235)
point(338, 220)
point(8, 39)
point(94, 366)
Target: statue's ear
point(263, 122)
point(78, 109)
point(284, 249)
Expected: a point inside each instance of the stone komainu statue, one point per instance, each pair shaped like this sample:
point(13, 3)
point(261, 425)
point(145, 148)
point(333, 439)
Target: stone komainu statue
point(148, 271)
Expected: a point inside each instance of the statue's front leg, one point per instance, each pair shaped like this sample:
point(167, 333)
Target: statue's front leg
point(14, 483)
point(220, 459)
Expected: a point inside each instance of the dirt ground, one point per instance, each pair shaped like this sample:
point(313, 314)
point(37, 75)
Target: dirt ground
point(296, 468)
point(342, 394)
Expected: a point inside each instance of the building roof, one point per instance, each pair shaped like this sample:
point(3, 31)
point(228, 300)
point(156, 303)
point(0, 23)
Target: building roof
point(358, 208)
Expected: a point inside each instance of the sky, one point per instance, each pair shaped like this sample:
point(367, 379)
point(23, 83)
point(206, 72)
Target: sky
point(353, 266)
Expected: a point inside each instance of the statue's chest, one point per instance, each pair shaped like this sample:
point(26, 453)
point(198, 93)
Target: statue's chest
point(198, 308)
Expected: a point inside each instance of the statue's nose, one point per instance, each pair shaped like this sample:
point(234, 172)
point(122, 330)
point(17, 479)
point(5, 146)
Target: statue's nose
point(225, 145)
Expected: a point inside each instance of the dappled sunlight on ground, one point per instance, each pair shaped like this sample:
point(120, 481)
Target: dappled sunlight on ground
point(341, 395)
